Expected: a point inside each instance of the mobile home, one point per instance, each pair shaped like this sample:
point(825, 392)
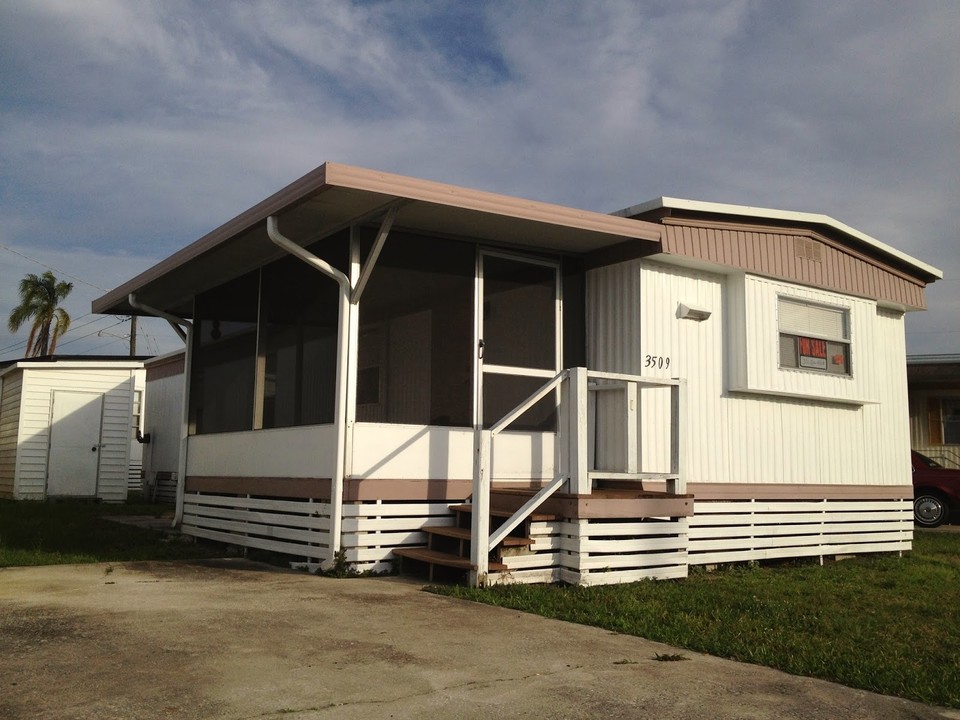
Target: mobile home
point(379, 367)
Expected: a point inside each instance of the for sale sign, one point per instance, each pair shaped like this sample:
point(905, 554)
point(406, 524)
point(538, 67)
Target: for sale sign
point(813, 353)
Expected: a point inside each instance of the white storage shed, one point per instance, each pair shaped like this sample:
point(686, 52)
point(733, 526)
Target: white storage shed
point(68, 427)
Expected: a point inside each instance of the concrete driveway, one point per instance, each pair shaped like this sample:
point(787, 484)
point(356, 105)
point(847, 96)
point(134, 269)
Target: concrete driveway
point(231, 639)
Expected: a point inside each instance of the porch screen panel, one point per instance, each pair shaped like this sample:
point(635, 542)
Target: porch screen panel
point(298, 336)
point(224, 357)
point(415, 362)
point(502, 393)
point(519, 313)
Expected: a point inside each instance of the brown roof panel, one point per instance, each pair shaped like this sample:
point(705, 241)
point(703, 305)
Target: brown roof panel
point(334, 196)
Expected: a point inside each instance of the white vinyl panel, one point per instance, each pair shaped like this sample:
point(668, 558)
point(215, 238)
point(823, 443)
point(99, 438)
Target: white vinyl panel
point(162, 420)
point(297, 452)
point(10, 401)
point(35, 417)
point(614, 309)
point(420, 452)
point(753, 439)
point(695, 352)
point(116, 433)
point(887, 425)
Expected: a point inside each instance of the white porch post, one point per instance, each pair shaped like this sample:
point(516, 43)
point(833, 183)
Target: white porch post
point(632, 399)
point(577, 432)
point(480, 517)
point(678, 393)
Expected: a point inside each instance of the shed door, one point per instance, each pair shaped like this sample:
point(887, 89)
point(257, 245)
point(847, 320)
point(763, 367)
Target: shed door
point(518, 338)
point(74, 444)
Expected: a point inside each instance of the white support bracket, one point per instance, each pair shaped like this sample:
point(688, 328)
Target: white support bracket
point(371, 262)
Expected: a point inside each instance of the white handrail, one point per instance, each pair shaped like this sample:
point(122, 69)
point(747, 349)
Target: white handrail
point(528, 403)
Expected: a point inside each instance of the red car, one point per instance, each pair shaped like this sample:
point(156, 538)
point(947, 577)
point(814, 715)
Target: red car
point(936, 491)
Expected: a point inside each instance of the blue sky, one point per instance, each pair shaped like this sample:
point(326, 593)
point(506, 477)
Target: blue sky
point(130, 128)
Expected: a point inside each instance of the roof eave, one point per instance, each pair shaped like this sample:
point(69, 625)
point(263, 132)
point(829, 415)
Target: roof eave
point(385, 187)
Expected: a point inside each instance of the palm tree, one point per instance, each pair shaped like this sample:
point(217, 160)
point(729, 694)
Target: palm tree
point(40, 298)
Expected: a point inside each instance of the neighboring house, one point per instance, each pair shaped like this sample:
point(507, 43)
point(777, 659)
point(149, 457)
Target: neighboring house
point(164, 426)
point(933, 383)
point(616, 396)
point(68, 427)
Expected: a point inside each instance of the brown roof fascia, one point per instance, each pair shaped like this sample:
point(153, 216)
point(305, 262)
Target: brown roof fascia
point(481, 201)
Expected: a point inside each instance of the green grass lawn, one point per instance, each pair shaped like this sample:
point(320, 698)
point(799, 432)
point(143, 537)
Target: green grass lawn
point(880, 623)
point(39, 533)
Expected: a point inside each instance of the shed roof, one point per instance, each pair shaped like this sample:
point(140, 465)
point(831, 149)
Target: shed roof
point(334, 196)
point(81, 362)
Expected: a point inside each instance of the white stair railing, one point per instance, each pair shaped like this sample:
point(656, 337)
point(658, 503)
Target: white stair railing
point(573, 465)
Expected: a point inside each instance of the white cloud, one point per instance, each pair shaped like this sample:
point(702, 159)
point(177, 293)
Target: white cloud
point(135, 127)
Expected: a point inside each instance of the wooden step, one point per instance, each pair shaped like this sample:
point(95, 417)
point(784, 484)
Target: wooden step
point(465, 534)
point(433, 557)
point(541, 517)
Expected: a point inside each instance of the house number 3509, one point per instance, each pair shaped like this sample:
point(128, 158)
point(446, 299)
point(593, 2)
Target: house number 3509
point(658, 362)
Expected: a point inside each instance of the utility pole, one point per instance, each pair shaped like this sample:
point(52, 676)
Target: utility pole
point(133, 336)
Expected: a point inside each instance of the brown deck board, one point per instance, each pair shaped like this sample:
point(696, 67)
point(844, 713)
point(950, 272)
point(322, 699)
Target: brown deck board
point(465, 534)
point(505, 513)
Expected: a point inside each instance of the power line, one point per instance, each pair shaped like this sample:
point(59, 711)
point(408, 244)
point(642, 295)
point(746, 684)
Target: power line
point(71, 340)
point(48, 267)
point(23, 343)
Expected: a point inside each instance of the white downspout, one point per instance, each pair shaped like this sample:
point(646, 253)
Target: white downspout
point(339, 412)
point(187, 336)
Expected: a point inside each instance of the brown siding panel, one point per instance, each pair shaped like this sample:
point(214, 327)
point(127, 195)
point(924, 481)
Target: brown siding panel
point(774, 253)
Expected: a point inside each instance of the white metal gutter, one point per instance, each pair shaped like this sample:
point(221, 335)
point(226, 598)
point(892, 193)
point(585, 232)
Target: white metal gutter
point(339, 412)
point(183, 328)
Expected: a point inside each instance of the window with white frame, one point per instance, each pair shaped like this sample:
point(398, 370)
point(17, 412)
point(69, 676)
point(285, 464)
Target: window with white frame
point(813, 337)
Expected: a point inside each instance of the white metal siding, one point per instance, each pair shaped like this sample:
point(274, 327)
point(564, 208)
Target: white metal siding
point(163, 418)
point(780, 435)
point(9, 432)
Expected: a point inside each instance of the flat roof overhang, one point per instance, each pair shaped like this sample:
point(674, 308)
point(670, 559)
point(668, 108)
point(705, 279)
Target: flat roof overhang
point(335, 196)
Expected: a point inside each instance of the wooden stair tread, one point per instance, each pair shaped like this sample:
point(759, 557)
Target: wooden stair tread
point(465, 534)
point(440, 558)
point(466, 507)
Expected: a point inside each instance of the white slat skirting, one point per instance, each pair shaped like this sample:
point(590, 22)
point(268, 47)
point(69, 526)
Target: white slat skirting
point(291, 527)
point(724, 532)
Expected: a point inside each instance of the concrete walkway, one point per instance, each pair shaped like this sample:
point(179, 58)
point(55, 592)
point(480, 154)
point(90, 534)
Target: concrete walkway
point(238, 640)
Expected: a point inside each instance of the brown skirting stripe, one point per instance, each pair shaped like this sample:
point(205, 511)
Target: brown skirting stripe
point(281, 487)
point(359, 490)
